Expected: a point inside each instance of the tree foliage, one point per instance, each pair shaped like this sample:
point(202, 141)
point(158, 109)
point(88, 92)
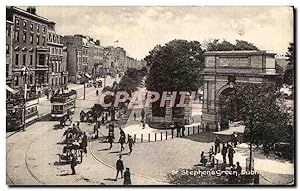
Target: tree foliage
point(260, 107)
point(288, 77)
point(217, 45)
point(176, 66)
point(131, 79)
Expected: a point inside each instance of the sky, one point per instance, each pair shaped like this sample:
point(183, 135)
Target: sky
point(139, 29)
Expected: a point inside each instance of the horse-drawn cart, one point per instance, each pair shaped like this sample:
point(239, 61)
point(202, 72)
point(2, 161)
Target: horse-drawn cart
point(68, 150)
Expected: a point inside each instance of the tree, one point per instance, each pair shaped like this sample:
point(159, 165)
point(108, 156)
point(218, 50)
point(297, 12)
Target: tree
point(176, 66)
point(260, 107)
point(132, 79)
point(244, 45)
point(217, 45)
point(288, 77)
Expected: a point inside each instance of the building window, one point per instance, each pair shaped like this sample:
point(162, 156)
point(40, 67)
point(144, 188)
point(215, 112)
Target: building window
point(52, 80)
point(31, 38)
point(17, 22)
point(24, 59)
point(17, 35)
point(58, 40)
point(7, 49)
point(24, 37)
point(42, 59)
point(52, 50)
point(37, 39)
point(54, 39)
point(44, 29)
point(24, 24)
point(31, 60)
point(17, 59)
point(31, 26)
point(38, 28)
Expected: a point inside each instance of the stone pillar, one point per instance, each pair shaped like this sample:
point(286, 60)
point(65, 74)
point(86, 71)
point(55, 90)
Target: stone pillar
point(187, 109)
point(168, 116)
point(209, 113)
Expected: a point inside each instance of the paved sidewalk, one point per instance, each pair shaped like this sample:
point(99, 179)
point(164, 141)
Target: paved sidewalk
point(271, 168)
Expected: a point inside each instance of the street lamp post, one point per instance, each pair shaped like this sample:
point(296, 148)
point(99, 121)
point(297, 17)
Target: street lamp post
point(24, 74)
point(84, 90)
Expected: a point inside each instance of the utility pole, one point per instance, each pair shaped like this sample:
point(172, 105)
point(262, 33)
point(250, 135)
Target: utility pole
point(84, 91)
point(24, 73)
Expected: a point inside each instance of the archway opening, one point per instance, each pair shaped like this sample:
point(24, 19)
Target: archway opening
point(227, 110)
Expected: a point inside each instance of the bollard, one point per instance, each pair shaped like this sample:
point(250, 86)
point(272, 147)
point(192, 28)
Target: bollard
point(193, 130)
point(134, 137)
point(198, 128)
point(148, 137)
point(141, 138)
point(166, 135)
point(188, 130)
point(172, 133)
point(161, 136)
point(154, 136)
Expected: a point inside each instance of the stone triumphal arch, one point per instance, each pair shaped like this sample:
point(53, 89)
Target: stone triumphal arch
point(223, 69)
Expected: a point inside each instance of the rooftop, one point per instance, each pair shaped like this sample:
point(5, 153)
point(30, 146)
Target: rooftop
point(240, 52)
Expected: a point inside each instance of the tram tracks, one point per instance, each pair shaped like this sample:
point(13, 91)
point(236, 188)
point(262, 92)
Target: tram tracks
point(37, 181)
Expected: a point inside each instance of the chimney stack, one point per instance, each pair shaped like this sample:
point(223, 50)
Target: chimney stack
point(31, 9)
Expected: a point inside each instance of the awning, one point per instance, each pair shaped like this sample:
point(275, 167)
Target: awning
point(11, 90)
point(87, 75)
point(78, 76)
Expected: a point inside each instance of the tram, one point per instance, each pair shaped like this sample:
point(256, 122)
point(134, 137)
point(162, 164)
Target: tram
point(16, 115)
point(62, 103)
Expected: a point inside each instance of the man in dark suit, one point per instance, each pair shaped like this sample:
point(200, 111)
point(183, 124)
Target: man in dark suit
point(120, 167)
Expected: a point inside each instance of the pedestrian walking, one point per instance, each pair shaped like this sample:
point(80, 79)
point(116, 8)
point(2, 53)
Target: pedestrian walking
point(231, 152)
point(203, 160)
point(238, 168)
point(95, 128)
point(134, 116)
point(127, 178)
point(73, 163)
point(122, 133)
point(119, 167)
point(97, 93)
point(217, 144)
point(122, 142)
point(234, 139)
point(143, 114)
point(144, 124)
point(182, 131)
point(178, 129)
point(130, 143)
point(110, 140)
point(102, 118)
point(84, 143)
point(224, 153)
